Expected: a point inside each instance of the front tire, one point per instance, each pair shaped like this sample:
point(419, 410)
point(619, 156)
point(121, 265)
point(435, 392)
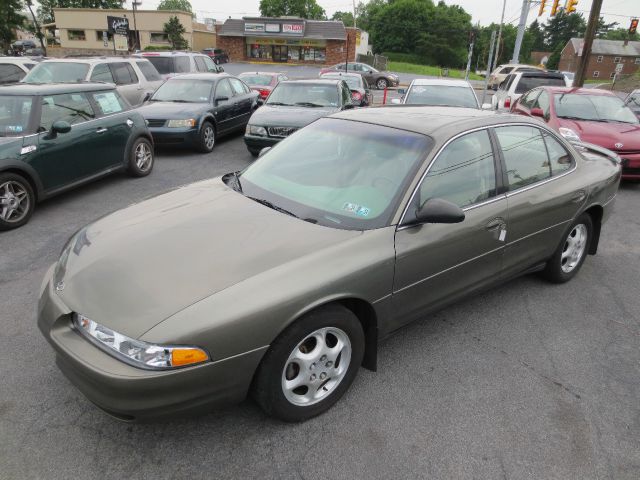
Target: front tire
point(17, 201)
point(382, 83)
point(207, 138)
point(310, 365)
point(571, 253)
point(141, 158)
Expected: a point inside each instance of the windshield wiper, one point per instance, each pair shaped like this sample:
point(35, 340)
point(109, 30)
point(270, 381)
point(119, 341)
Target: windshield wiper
point(308, 104)
point(280, 103)
point(267, 203)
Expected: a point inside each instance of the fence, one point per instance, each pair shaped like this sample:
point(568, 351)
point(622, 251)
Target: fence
point(376, 61)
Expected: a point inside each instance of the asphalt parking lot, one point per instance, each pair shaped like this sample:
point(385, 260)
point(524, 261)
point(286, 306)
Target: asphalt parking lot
point(531, 380)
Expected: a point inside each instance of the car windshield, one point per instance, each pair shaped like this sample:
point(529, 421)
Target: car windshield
point(441, 95)
point(599, 108)
point(352, 82)
point(305, 94)
point(164, 65)
point(527, 83)
point(182, 90)
point(338, 173)
point(253, 79)
point(59, 72)
point(15, 112)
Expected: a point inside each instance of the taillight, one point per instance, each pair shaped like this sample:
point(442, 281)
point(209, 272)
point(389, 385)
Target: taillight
point(264, 93)
point(507, 102)
point(356, 96)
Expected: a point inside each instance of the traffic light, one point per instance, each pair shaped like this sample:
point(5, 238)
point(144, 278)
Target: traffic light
point(634, 26)
point(570, 6)
point(543, 3)
point(554, 7)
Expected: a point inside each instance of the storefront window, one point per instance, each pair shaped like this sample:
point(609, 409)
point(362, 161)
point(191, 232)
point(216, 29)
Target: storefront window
point(314, 54)
point(259, 51)
point(294, 54)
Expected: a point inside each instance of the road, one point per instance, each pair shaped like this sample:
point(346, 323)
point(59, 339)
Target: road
point(530, 380)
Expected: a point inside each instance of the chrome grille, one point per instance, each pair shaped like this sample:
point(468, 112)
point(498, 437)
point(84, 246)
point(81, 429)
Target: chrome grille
point(156, 122)
point(280, 132)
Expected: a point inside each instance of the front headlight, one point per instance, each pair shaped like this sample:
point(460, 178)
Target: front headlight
point(569, 134)
point(189, 122)
point(255, 130)
point(136, 352)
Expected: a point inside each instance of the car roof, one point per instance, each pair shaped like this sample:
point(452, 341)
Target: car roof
point(579, 91)
point(90, 60)
point(539, 74)
point(441, 81)
point(200, 76)
point(271, 74)
point(53, 88)
point(19, 60)
point(340, 74)
point(167, 54)
point(319, 81)
point(430, 120)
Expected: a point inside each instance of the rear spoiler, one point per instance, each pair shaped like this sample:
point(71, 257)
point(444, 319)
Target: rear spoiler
point(605, 152)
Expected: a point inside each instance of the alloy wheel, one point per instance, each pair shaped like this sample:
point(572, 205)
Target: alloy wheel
point(381, 84)
point(14, 201)
point(316, 366)
point(144, 157)
point(574, 248)
point(209, 137)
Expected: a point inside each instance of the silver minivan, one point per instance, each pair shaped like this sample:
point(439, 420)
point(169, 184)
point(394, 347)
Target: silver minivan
point(170, 64)
point(135, 78)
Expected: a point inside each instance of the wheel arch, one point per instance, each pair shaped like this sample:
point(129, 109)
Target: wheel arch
point(29, 175)
point(596, 213)
point(132, 139)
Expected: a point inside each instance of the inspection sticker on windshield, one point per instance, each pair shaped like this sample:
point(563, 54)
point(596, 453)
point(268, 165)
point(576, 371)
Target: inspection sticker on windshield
point(356, 209)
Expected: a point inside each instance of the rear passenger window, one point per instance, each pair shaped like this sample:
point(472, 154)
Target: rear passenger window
point(123, 73)
point(463, 173)
point(223, 89)
point(149, 71)
point(210, 66)
point(102, 73)
point(527, 83)
point(525, 155)
point(70, 107)
point(543, 103)
point(182, 64)
point(108, 102)
point(559, 158)
point(10, 73)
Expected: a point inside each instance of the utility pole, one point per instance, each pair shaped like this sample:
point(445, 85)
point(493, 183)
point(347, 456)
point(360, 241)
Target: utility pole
point(134, 4)
point(581, 73)
point(354, 13)
point(521, 27)
point(473, 39)
point(495, 60)
point(488, 72)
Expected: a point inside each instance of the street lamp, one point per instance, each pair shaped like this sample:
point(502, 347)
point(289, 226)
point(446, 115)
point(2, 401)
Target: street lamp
point(135, 4)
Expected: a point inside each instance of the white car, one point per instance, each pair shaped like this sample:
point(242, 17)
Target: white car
point(516, 84)
point(14, 69)
point(568, 77)
point(438, 92)
point(501, 72)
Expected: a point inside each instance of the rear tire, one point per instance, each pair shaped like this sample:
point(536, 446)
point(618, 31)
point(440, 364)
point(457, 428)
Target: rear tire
point(310, 365)
point(17, 201)
point(141, 158)
point(207, 138)
point(571, 253)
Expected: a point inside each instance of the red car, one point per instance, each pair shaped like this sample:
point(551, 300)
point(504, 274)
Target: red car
point(262, 82)
point(588, 115)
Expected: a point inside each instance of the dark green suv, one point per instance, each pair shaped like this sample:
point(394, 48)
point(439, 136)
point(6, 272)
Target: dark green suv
point(56, 137)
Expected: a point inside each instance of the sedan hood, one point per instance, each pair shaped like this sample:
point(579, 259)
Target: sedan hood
point(282, 116)
point(172, 109)
point(136, 267)
point(605, 134)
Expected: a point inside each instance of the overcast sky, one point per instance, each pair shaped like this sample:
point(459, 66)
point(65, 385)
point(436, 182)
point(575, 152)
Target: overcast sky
point(483, 11)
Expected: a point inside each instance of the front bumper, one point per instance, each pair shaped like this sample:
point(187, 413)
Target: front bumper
point(256, 143)
point(630, 166)
point(131, 393)
point(175, 136)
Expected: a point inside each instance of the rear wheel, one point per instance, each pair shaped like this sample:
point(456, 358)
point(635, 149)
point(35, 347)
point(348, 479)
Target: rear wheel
point(207, 138)
point(570, 255)
point(17, 201)
point(141, 158)
point(310, 365)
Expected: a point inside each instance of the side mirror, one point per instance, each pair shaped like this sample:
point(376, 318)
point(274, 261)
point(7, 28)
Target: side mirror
point(396, 101)
point(537, 112)
point(263, 151)
point(59, 126)
point(402, 91)
point(437, 210)
point(147, 96)
point(219, 100)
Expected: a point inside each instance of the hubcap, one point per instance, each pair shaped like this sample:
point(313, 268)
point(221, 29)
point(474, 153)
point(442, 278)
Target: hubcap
point(14, 201)
point(316, 366)
point(574, 247)
point(209, 138)
point(143, 157)
point(382, 84)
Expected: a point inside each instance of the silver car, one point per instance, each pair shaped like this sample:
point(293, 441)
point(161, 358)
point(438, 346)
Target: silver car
point(135, 78)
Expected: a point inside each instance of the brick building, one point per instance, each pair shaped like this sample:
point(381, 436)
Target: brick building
point(605, 55)
point(287, 39)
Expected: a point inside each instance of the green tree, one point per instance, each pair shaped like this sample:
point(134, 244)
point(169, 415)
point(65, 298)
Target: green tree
point(344, 17)
point(554, 58)
point(174, 30)
point(537, 36)
point(181, 5)
point(563, 27)
point(298, 8)
point(11, 19)
point(45, 11)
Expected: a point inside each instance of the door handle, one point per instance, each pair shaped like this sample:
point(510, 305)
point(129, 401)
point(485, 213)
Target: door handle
point(101, 130)
point(495, 224)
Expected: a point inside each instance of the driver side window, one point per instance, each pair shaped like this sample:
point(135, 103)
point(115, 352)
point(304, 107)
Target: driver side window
point(224, 89)
point(463, 173)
